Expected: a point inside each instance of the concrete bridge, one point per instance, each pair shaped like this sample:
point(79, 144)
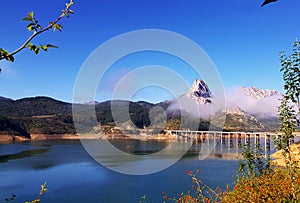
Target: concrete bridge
point(226, 137)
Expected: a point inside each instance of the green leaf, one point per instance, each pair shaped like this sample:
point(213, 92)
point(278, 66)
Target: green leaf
point(26, 19)
point(51, 46)
point(29, 45)
point(30, 15)
point(30, 27)
point(57, 27)
point(44, 47)
point(5, 55)
point(10, 58)
point(36, 50)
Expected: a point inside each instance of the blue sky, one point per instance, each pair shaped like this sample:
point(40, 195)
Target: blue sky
point(242, 39)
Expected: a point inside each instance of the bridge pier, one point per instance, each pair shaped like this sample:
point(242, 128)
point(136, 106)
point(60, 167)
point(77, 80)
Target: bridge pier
point(199, 136)
point(256, 139)
point(222, 138)
point(267, 142)
point(239, 139)
point(195, 138)
point(247, 139)
point(215, 140)
point(230, 140)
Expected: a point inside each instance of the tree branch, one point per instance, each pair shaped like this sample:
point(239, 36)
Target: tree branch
point(65, 12)
point(36, 34)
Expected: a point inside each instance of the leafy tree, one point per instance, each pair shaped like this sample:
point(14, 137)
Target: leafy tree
point(36, 29)
point(289, 108)
point(254, 163)
point(289, 111)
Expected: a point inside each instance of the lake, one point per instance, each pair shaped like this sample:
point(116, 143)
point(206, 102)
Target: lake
point(72, 175)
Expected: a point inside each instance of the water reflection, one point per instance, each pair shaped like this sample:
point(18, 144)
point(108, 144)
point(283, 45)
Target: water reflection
point(23, 154)
point(140, 147)
point(60, 152)
point(41, 155)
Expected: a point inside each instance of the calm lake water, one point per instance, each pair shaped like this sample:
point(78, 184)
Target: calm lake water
point(72, 175)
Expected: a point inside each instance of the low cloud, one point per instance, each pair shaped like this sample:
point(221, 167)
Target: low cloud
point(268, 106)
point(188, 105)
point(235, 97)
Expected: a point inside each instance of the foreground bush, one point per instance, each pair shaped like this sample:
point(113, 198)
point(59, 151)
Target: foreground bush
point(275, 186)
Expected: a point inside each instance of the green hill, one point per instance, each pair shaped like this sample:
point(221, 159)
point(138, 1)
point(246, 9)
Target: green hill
point(44, 115)
point(9, 127)
point(35, 115)
point(34, 106)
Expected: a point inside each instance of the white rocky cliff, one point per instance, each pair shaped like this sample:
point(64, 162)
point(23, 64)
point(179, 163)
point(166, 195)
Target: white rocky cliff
point(257, 93)
point(196, 102)
point(199, 92)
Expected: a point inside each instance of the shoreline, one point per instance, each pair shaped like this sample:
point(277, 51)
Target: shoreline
point(278, 157)
point(12, 138)
point(109, 136)
point(5, 139)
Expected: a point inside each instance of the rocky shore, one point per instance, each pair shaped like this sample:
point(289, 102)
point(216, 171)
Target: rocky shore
point(34, 137)
point(53, 137)
point(12, 138)
point(278, 158)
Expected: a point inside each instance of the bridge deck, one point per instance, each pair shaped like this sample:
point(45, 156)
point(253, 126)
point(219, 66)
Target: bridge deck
point(226, 133)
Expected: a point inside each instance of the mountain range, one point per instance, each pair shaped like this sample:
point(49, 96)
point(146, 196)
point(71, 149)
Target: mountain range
point(44, 115)
point(246, 108)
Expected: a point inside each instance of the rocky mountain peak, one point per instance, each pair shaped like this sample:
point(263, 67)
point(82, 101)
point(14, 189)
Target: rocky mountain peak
point(257, 93)
point(199, 92)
